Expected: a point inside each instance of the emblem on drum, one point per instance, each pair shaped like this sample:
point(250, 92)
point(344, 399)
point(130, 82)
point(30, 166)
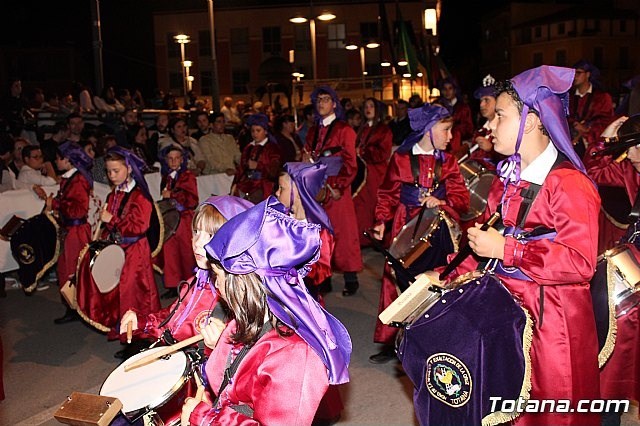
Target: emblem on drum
point(201, 320)
point(26, 254)
point(448, 379)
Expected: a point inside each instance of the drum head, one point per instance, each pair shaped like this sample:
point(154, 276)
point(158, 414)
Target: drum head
point(106, 267)
point(402, 243)
point(145, 388)
point(479, 192)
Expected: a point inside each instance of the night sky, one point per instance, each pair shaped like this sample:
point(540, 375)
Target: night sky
point(127, 31)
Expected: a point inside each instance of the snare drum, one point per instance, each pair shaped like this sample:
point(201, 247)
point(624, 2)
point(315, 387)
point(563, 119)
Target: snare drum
point(106, 260)
point(478, 180)
point(156, 390)
point(170, 217)
point(614, 291)
point(408, 250)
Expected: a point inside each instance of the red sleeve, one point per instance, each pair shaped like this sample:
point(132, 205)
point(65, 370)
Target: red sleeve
point(136, 216)
point(185, 191)
point(600, 115)
point(573, 205)
point(321, 270)
point(344, 137)
point(458, 197)
point(75, 203)
point(389, 191)
point(378, 148)
point(243, 166)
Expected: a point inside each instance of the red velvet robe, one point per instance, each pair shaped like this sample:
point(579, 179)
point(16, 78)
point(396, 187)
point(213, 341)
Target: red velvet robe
point(597, 115)
point(374, 147)
point(462, 129)
point(281, 378)
point(341, 212)
point(605, 171)
point(189, 318)
point(564, 351)
point(137, 288)
point(321, 270)
point(389, 207)
point(489, 160)
point(72, 203)
point(269, 164)
point(178, 261)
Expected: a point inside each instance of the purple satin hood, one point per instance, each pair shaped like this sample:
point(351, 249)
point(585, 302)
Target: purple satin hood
point(280, 250)
point(228, 205)
point(78, 158)
point(309, 179)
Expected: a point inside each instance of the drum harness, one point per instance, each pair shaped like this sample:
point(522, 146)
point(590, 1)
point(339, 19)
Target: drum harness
point(415, 172)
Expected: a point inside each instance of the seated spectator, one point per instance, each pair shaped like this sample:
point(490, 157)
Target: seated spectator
point(130, 123)
point(35, 171)
point(98, 172)
point(67, 105)
point(85, 104)
point(157, 102)
point(288, 141)
point(59, 134)
point(107, 102)
point(231, 114)
point(203, 124)
point(76, 126)
point(159, 134)
point(16, 163)
point(137, 137)
point(197, 162)
point(220, 149)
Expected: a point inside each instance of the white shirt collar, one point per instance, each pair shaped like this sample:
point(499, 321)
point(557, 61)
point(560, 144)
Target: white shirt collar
point(128, 186)
point(328, 119)
point(173, 174)
point(453, 101)
point(370, 123)
point(69, 173)
point(417, 150)
point(589, 90)
point(537, 171)
point(261, 143)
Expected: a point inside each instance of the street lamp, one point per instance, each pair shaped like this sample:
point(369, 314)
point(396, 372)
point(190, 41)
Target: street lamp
point(369, 45)
point(189, 78)
point(183, 39)
point(325, 17)
point(431, 21)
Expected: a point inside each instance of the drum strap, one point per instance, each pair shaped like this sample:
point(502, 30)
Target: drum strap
point(316, 135)
point(178, 303)
point(230, 371)
point(634, 214)
point(415, 170)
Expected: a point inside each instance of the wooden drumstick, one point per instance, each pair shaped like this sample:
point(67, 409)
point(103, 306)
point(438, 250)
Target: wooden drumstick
point(166, 351)
point(199, 386)
point(96, 234)
point(129, 331)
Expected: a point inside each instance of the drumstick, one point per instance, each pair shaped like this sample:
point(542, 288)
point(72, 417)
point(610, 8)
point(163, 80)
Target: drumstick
point(200, 387)
point(129, 331)
point(96, 234)
point(165, 351)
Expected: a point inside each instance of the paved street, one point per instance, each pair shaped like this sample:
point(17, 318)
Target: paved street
point(43, 362)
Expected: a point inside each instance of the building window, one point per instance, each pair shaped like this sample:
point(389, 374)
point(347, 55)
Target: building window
point(561, 29)
point(526, 35)
point(592, 25)
point(173, 48)
point(271, 40)
point(537, 59)
point(623, 25)
point(204, 43)
point(240, 81)
point(239, 40)
point(206, 81)
point(302, 37)
point(337, 69)
point(335, 36)
point(623, 59)
point(369, 31)
point(538, 32)
point(598, 57)
point(561, 58)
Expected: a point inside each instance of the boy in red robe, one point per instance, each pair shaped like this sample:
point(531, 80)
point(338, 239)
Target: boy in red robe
point(331, 136)
point(548, 271)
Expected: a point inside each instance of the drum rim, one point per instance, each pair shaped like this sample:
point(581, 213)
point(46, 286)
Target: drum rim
point(94, 258)
point(163, 399)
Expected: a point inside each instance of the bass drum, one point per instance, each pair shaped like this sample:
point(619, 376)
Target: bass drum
point(478, 180)
point(35, 246)
point(170, 217)
point(615, 290)
point(106, 260)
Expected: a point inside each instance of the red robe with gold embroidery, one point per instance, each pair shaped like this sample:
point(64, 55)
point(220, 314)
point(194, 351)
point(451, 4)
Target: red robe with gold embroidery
point(605, 171)
point(178, 259)
point(374, 147)
point(341, 212)
point(281, 379)
point(137, 288)
point(73, 204)
point(389, 207)
point(269, 164)
point(564, 350)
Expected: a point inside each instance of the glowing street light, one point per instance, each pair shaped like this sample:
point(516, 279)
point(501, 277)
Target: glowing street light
point(183, 39)
point(325, 17)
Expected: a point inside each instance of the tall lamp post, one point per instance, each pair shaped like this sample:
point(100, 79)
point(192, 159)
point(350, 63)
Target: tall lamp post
point(363, 65)
point(325, 17)
point(215, 89)
point(183, 39)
